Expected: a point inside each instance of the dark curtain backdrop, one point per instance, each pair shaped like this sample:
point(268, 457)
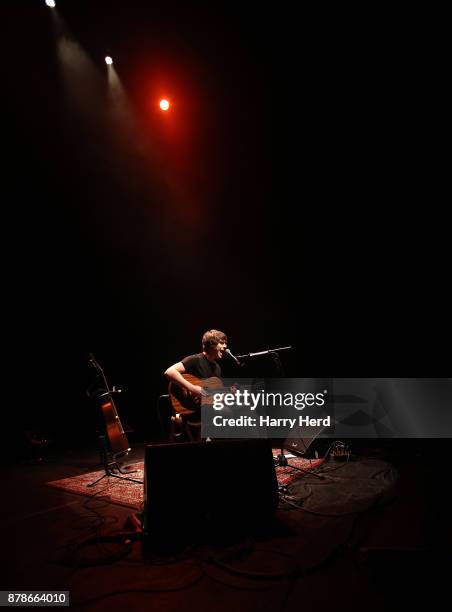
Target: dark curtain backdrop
point(288, 201)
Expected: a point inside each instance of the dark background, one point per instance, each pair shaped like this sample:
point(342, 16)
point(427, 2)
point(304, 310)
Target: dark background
point(290, 197)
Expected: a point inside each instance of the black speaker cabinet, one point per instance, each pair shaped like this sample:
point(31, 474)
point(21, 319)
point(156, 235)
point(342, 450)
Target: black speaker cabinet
point(199, 491)
point(310, 448)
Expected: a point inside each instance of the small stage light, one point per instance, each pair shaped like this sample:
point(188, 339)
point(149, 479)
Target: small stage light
point(50, 3)
point(164, 104)
point(108, 60)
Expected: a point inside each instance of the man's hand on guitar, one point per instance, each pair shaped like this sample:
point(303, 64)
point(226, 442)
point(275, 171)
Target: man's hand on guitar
point(197, 391)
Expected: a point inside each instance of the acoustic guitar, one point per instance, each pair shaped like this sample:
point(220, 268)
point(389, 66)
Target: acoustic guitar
point(184, 402)
point(114, 430)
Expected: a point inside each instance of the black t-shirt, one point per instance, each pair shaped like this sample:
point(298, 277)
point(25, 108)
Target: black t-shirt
point(198, 365)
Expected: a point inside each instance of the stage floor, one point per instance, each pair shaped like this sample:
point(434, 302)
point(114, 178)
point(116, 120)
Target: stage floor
point(336, 550)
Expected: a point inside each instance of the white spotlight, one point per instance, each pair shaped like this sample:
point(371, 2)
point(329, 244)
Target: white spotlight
point(108, 60)
point(50, 3)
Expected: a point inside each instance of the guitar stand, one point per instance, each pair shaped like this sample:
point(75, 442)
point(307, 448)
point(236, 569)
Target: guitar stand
point(111, 466)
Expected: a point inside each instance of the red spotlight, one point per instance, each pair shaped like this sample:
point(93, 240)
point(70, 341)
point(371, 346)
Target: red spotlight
point(164, 104)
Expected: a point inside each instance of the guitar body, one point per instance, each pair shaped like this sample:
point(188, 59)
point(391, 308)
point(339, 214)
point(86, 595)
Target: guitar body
point(117, 438)
point(184, 402)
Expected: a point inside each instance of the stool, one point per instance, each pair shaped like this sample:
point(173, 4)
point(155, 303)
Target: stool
point(184, 428)
point(176, 426)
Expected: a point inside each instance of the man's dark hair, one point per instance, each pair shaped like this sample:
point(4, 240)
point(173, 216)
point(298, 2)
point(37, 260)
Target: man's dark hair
point(212, 338)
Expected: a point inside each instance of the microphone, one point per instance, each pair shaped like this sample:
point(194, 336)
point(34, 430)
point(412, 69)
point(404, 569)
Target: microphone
point(233, 357)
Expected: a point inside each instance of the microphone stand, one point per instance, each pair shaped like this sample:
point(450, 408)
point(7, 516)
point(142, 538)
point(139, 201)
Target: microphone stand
point(281, 459)
point(274, 354)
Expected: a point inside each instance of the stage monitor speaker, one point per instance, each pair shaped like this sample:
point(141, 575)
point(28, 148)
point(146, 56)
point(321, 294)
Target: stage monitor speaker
point(309, 447)
point(200, 491)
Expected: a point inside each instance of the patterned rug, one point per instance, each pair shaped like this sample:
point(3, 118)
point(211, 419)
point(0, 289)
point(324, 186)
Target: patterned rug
point(111, 489)
point(130, 494)
point(296, 468)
